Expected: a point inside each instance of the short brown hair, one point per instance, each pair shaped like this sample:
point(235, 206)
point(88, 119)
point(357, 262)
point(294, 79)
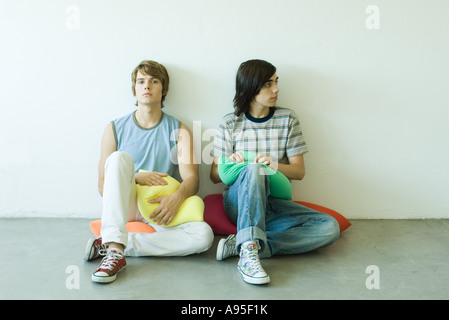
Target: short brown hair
point(154, 69)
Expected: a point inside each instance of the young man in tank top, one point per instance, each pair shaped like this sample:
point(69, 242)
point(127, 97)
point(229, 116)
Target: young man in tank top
point(147, 139)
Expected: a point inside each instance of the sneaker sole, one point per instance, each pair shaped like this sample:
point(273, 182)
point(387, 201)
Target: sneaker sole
point(88, 251)
point(108, 279)
point(220, 249)
point(253, 280)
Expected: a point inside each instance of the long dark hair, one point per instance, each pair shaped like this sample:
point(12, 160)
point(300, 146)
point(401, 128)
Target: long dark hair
point(251, 77)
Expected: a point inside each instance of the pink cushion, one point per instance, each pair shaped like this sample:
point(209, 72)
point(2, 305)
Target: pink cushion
point(215, 216)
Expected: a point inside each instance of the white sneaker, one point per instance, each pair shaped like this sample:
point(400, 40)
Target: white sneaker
point(226, 248)
point(249, 265)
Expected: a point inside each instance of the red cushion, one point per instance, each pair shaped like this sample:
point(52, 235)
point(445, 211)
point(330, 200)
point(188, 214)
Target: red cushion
point(133, 226)
point(215, 216)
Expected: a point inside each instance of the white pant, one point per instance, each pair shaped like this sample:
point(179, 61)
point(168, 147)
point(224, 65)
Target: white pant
point(120, 207)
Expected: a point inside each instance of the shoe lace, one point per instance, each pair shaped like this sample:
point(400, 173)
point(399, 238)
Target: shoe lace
point(102, 250)
point(229, 248)
point(251, 256)
point(110, 260)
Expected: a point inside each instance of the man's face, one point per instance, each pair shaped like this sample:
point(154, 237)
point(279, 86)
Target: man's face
point(148, 89)
point(268, 95)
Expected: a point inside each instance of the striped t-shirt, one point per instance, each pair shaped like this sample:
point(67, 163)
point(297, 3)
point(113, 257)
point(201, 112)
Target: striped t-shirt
point(278, 134)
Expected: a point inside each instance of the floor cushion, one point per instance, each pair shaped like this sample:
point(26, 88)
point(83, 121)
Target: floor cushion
point(133, 226)
point(215, 216)
point(342, 221)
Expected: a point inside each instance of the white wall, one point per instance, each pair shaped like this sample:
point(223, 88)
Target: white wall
point(373, 103)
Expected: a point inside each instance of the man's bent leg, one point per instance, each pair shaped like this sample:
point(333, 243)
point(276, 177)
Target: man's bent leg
point(119, 197)
point(184, 239)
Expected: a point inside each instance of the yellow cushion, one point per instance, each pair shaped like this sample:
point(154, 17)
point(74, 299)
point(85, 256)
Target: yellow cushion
point(191, 209)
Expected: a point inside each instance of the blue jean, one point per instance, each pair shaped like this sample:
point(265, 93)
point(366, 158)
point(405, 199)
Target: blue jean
point(281, 226)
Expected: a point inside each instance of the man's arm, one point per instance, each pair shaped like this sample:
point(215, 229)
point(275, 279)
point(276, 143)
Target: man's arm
point(188, 166)
point(108, 146)
point(214, 176)
point(295, 170)
point(188, 169)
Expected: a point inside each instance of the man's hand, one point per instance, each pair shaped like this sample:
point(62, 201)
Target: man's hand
point(265, 159)
point(150, 178)
point(167, 209)
point(237, 157)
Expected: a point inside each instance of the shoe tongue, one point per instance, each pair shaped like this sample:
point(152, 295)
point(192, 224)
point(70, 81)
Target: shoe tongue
point(251, 246)
point(117, 251)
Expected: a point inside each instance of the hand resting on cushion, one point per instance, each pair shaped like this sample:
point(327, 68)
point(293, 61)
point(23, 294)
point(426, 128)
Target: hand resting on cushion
point(230, 168)
point(191, 209)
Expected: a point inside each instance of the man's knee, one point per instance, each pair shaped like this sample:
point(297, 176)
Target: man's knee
point(203, 234)
point(256, 172)
point(331, 229)
point(121, 157)
point(121, 164)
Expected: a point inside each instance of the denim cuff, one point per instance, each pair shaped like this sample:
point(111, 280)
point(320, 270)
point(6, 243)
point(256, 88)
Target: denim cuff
point(253, 233)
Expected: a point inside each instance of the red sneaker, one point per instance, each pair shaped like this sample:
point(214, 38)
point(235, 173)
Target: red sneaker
point(112, 263)
point(94, 249)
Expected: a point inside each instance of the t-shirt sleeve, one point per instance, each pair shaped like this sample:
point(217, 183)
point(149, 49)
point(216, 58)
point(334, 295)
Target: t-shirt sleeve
point(223, 145)
point(296, 144)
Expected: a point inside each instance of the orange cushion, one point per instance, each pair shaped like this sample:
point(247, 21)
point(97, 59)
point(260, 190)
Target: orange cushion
point(342, 221)
point(215, 215)
point(133, 226)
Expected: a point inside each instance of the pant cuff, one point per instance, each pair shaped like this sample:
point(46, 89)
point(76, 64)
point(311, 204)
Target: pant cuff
point(249, 234)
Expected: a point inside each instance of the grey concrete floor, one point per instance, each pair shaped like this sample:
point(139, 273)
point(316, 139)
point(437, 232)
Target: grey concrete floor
point(43, 259)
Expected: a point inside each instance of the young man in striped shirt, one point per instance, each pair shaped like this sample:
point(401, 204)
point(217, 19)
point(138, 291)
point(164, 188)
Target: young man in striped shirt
point(265, 225)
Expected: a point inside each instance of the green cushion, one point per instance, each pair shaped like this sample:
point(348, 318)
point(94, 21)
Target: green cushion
point(280, 186)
